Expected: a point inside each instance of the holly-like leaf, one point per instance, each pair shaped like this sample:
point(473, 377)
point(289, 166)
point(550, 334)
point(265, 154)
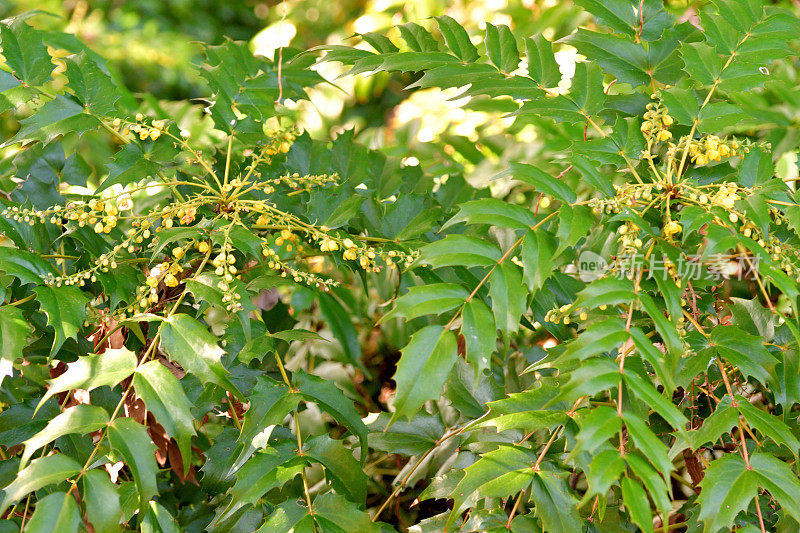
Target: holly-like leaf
point(508, 297)
point(501, 47)
point(131, 441)
point(39, 473)
point(14, 331)
point(25, 52)
point(189, 343)
point(164, 397)
point(431, 353)
point(93, 88)
point(728, 487)
point(92, 371)
point(434, 298)
point(102, 500)
point(65, 308)
point(55, 513)
point(457, 39)
point(77, 419)
point(479, 331)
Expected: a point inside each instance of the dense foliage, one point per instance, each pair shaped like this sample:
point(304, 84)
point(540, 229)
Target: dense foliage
point(580, 316)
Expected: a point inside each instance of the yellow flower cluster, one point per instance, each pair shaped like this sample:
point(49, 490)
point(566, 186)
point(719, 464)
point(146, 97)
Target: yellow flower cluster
point(656, 123)
point(562, 314)
point(712, 149)
point(139, 128)
point(280, 141)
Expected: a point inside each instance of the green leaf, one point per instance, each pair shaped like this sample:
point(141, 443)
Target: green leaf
point(92, 371)
point(55, 118)
point(724, 417)
point(480, 334)
point(728, 487)
point(506, 470)
point(591, 174)
point(538, 255)
point(554, 504)
point(635, 499)
point(14, 331)
point(508, 297)
point(779, 479)
point(65, 308)
point(332, 400)
point(574, 223)
point(418, 38)
point(606, 469)
point(768, 424)
point(343, 470)
point(661, 405)
point(459, 250)
point(492, 212)
point(102, 501)
point(598, 338)
point(40, 473)
point(435, 298)
point(158, 520)
point(164, 397)
point(682, 105)
point(93, 88)
point(542, 65)
point(131, 441)
point(339, 322)
point(619, 56)
point(649, 444)
point(701, 62)
point(597, 427)
point(333, 512)
point(25, 52)
point(77, 419)
point(543, 181)
point(57, 513)
point(623, 16)
point(431, 353)
point(745, 351)
point(188, 342)
point(501, 47)
point(457, 39)
point(268, 469)
point(289, 517)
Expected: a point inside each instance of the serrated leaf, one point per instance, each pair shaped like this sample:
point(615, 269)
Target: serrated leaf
point(55, 513)
point(648, 443)
point(92, 371)
point(574, 223)
point(131, 441)
point(457, 39)
point(728, 487)
point(77, 419)
point(332, 400)
point(39, 473)
point(606, 469)
point(768, 424)
point(332, 510)
point(507, 469)
point(493, 212)
point(65, 308)
point(542, 65)
point(102, 501)
point(597, 427)
point(554, 503)
point(55, 118)
point(431, 353)
point(779, 479)
point(341, 467)
point(158, 520)
point(501, 47)
point(480, 334)
point(14, 331)
point(635, 499)
point(459, 250)
point(164, 397)
point(508, 297)
point(93, 88)
point(538, 255)
point(434, 298)
point(745, 351)
point(189, 343)
point(661, 405)
point(25, 52)
point(543, 181)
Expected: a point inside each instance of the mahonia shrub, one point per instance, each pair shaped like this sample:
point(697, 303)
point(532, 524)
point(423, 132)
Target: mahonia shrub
point(608, 343)
point(631, 324)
